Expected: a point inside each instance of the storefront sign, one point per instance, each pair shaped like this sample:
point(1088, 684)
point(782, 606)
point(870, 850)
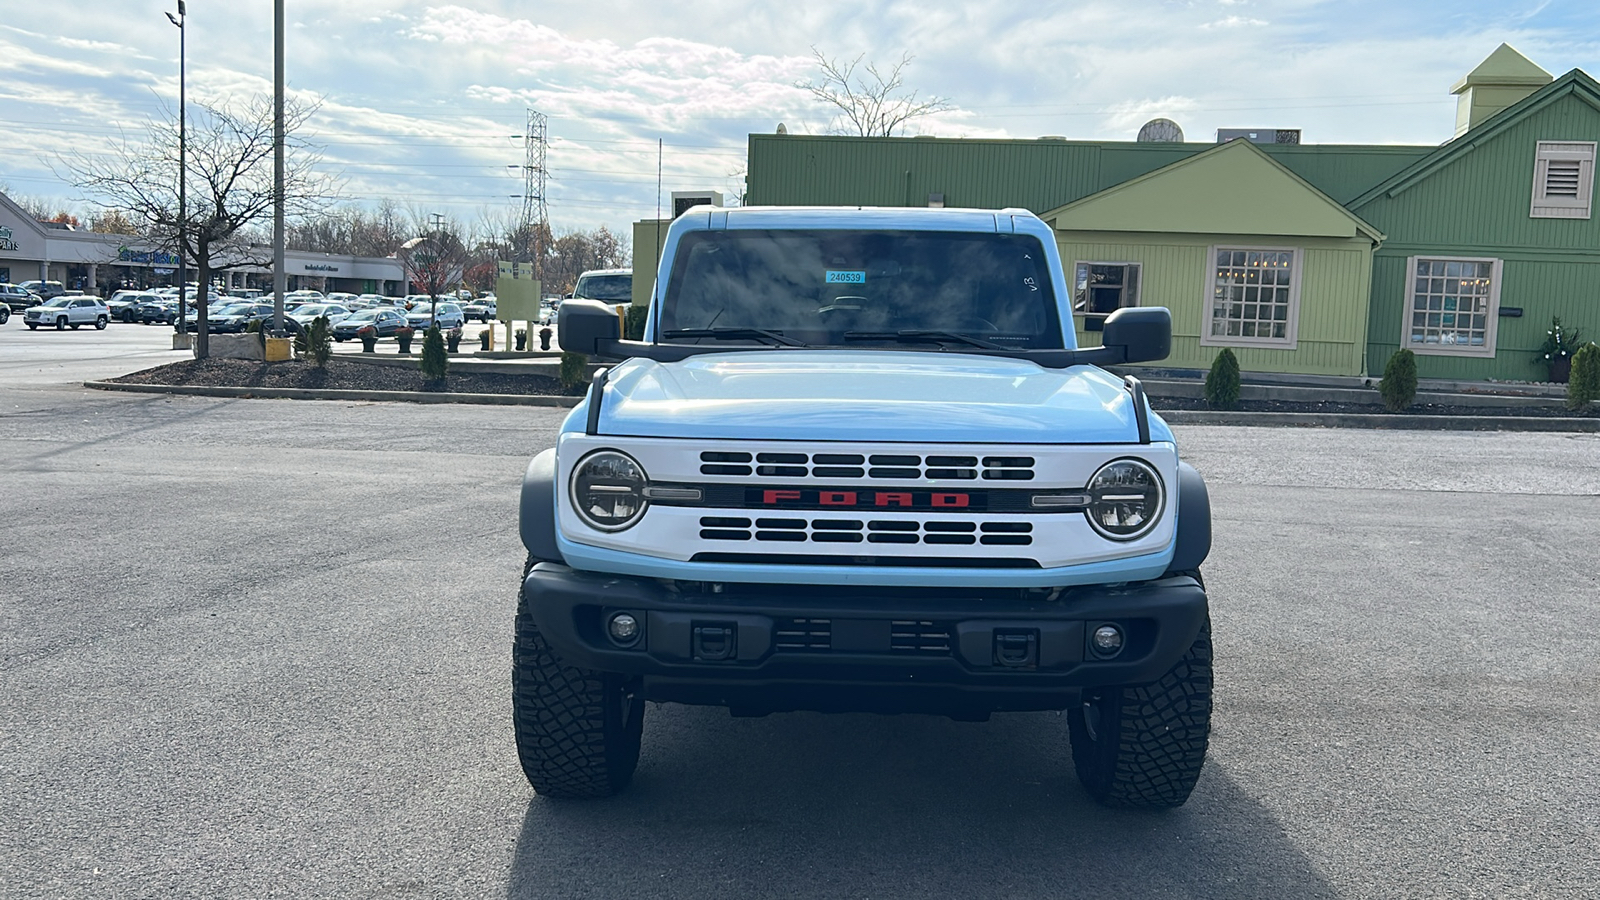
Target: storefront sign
point(147, 257)
point(322, 267)
point(6, 243)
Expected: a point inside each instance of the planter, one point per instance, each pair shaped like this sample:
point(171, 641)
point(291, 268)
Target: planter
point(452, 342)
point(369, 345)
point(484, 337)
point(1561, 369)
point(405, 346)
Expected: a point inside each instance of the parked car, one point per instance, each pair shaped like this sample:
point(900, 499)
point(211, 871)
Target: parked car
point(448, 316)
point(482, 310)
point(18, 298)
point(158, 310)
point(64, 311)
point(306, 312)
point(124, 305)
point(614, 286)
point(236, 317)
point(385, 321)
point(44, 290)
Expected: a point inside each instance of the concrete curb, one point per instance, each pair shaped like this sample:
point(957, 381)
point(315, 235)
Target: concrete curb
point(269, 393)
point(1373, 420)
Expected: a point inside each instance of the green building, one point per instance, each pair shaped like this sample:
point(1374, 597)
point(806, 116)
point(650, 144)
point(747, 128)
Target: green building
point(1305, 258)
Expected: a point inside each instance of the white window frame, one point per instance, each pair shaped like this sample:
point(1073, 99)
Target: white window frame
point(1491, 324)
point(1579, 207)
point(1138, 293)
point(1291, 338)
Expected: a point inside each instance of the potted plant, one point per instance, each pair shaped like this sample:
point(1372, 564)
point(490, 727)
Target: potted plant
point(404, 335)
point(1555, 354)
point(369, 339)
point(452, 340)
point(484, 337)
point(522, 339)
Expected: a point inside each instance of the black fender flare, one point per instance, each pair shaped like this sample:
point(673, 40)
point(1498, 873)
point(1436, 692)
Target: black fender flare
point(1193, 539)
point(538, 512)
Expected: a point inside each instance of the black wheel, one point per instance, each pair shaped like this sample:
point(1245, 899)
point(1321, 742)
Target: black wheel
point(577, 730)
point(1143, 746)
point(5, 314)
point(61, 323)
point(100, 323)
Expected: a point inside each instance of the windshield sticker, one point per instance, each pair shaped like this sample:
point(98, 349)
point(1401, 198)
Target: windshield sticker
point(835, 277)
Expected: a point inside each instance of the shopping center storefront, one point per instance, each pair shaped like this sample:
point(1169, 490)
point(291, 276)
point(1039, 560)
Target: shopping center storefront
point(103, 263)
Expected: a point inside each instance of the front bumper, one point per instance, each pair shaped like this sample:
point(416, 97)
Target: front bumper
point(772, 647)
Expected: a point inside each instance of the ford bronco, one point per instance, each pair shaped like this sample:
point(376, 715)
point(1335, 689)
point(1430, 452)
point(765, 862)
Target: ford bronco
point(857, 463)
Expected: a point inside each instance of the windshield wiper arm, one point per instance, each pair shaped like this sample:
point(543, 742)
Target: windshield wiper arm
point(921, 335)
point(731, 333)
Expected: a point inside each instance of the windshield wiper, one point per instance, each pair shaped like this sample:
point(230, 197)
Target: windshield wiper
point(733, 334)
point(921, 336)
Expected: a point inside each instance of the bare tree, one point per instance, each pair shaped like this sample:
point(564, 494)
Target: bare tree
point(230, 151)
point(434, 263)
point(871, 104)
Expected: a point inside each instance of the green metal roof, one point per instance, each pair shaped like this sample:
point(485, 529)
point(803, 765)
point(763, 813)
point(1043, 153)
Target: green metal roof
point(1040, 175)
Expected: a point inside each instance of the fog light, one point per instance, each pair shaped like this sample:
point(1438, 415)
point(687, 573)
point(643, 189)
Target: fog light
point(1107, 640)
point(624, 628)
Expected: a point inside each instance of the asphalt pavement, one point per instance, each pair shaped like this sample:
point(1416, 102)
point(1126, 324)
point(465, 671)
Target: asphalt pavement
point(257, 648)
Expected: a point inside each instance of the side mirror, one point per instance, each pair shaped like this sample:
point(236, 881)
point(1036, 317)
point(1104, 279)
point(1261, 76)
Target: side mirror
point(1144, 334)
point(583, 324)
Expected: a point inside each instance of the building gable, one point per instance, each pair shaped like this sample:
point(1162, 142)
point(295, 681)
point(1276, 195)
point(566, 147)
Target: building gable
point(1231, 189)
point(1475, 192)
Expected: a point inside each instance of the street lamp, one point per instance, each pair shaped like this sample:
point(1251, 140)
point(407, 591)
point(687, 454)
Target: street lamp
point(183, 168)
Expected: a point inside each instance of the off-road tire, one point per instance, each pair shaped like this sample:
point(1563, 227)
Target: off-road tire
point(577, 730)
point(1143, 746)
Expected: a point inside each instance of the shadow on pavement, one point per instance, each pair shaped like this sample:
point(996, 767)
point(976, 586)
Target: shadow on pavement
point(908, 806)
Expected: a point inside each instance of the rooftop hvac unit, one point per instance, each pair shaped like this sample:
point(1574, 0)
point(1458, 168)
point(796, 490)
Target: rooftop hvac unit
point(683, 201)
point(1260, 135)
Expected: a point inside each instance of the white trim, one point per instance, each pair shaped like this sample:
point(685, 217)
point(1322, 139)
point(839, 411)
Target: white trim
point(1579, 207)
point(1491, 323)
point(1290, 340)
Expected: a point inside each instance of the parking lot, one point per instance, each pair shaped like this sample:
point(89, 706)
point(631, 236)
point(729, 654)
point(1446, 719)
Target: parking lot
point(261, 649)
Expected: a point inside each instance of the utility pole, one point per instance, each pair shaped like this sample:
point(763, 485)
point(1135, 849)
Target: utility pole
point(280, 278)
point(183, 172)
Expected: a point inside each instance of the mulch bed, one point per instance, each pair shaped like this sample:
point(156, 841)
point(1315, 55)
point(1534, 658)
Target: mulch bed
point(343, 375)
point(339, 375)
point(1421, 409)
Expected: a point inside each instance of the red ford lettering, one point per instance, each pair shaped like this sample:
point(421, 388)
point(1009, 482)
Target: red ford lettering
point(771, 498)
point(888, 498)
point(950, 500)
point(837, 498)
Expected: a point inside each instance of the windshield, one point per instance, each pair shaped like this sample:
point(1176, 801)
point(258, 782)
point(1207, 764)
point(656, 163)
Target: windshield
point(366, 315)
point(59, 301)
point(837, 287)
point(610, 288)
point(309, 310)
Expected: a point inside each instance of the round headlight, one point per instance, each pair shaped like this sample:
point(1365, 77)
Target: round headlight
point(1125, 500)
point(608, 490)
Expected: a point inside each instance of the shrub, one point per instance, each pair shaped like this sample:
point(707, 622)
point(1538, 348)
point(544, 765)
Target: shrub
point(633, 325)
point(574, 369)
point(1222, 382)
point(318, 338)
point(1559, 346)
point(1583, 388)
point(435, 361)
point(1399, 384)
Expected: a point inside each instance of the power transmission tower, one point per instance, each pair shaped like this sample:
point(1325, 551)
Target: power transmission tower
point(535, 214)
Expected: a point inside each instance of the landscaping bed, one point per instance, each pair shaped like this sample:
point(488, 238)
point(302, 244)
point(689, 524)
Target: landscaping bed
point(338, 375)
point(1556, 410)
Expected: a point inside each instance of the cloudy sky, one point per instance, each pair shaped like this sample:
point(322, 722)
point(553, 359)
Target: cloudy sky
point(426, 102)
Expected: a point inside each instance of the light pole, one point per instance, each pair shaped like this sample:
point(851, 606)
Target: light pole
point(183, 169)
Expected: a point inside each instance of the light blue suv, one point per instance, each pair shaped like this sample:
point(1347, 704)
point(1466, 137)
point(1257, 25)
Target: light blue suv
point(858, 463)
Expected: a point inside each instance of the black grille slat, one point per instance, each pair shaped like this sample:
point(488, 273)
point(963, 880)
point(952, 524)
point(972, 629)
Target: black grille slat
point(894, 473)
point(1012, 539)
point(780, 535)
point(836, 537)
point(836, 472)
point(714, 534)
point(800, 635)
point(891, 538)
point(837, 459)
point(891, 525)
point(919, 636)
point(790, 458)
point(723, 456)
point(724, 470)
point(723, 522)
point(949, 539)
point(893, 460)
point(781, 471)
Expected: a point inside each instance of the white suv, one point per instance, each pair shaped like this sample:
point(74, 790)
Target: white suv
point(68, 310)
